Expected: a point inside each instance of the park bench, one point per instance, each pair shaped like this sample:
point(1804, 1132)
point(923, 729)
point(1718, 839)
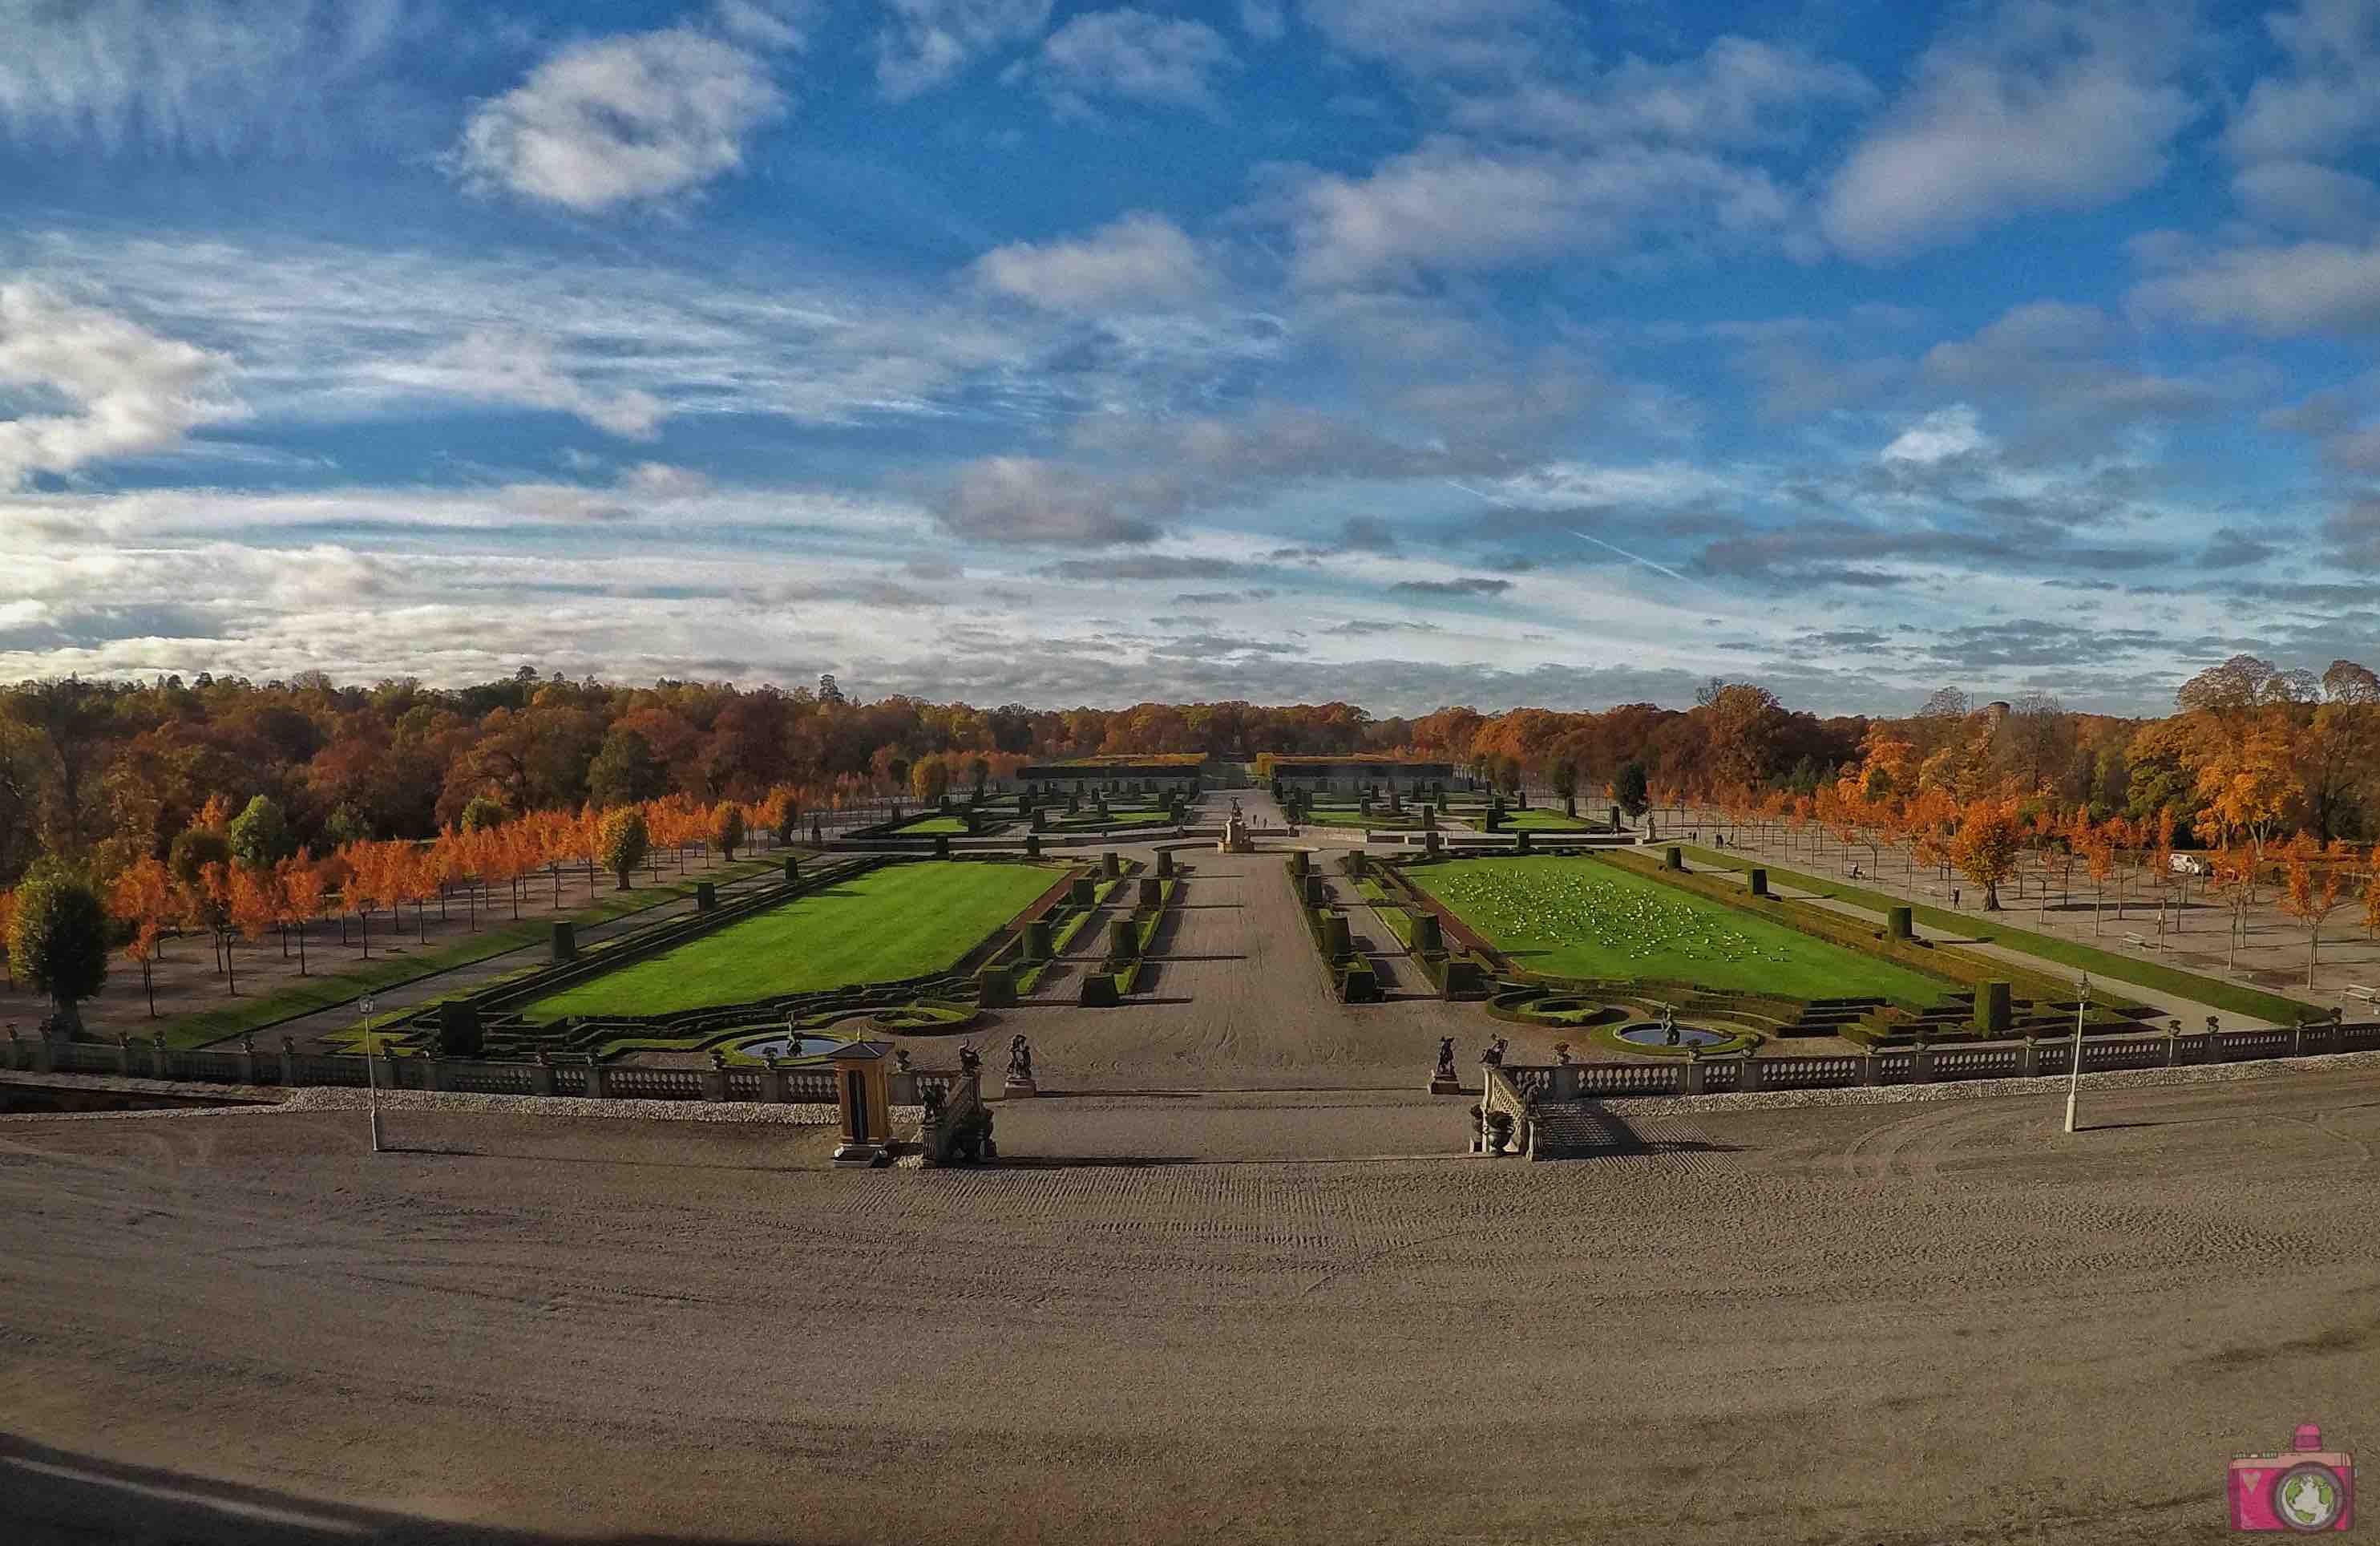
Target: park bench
point(2359, 990)
point(2139, 943)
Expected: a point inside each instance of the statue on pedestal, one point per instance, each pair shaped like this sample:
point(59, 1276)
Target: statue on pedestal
point(1020, 1067)
point(1494, 1057)
point(1442, 1079)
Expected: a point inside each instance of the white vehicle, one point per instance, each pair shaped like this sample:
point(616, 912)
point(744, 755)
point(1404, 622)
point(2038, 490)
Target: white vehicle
point(2188, 864)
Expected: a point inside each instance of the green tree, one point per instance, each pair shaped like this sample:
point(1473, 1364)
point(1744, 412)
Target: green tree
point(347, 824)
point(727, 829)
point(626, 771)
point(480, 814)
point(1632, 790)
point(57, 941)
point(623, 842)
point(1565, 781)
point(195, 849)
point(259, 835)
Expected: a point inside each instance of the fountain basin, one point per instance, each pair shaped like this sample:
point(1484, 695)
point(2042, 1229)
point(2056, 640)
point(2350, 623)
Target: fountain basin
point(1652, 1033)
point(789, 1048)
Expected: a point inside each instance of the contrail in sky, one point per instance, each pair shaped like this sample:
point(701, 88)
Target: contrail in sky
point(1625, 554)
point(1634, 558)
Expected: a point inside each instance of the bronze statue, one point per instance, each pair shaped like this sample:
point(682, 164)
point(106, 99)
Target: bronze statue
point(1445, 1058)
point(1020, 1059)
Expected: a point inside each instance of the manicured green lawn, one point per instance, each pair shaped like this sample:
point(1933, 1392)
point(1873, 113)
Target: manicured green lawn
point(1116, 817)
point(330, 986)
point(1378, 820)
point(903, 920)
point(927, 826)
point(1584, 917)
point(1538, 819)
point(2269, 1008)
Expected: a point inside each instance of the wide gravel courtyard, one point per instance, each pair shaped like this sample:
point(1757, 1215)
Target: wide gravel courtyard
point(1937, 1323)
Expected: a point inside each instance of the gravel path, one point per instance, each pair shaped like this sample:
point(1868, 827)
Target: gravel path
point(1932, 1324)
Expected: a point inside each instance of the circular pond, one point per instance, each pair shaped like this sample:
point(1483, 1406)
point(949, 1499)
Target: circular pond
point(786, 1048)
point(1652, 1033)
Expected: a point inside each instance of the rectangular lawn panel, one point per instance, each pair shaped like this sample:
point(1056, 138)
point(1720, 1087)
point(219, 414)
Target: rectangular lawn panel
point(1537, 818)
point(903, 920)
point(1584, 917)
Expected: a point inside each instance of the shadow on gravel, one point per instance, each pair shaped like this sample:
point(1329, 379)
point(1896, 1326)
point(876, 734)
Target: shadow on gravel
point(1599, 1133)
point(1087, 1162)
point(55, 1497)
point(549, 1158)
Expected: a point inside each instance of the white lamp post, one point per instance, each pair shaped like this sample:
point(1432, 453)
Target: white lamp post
point(2074, 1072)
point(372, 1076)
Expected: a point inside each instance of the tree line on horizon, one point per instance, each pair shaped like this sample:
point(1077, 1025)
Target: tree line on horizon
point(168, 801)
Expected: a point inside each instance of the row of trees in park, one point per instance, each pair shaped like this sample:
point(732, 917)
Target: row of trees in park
point(230, 878)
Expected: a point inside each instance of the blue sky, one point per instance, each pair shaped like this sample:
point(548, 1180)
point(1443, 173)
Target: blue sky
point(1412, 352)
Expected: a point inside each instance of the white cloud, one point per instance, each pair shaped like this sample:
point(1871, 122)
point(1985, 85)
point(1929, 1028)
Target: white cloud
point(1140, 258)
point(620, 120)
point(2279, 291)
point(766, 23)
point(2299, 195)
point(1447, 207)
point(518, 369)
point(1262, 18)
point(128, 389)
point(2328, 98)
point(2050, 109)
point(208, 76)
point(925, 42)
point(1130, 55)
point(328, 331)
point(1945, 432)
point(1024, 499)
point(1736, 93)
point(1436, 38)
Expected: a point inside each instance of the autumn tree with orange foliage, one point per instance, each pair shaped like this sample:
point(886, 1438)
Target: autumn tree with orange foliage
point(2313, 881)
point(301, 889)
point(142, 896)
point(1986, 845)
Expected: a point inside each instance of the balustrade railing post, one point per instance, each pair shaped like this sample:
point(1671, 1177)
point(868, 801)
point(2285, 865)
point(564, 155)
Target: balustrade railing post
point(1694, 1071)
point(598, 1085)
point(541, 1073)
point(429, 1063)
point(246, 1055)
point(124, 1055)
point(161, 1063)
point(1921, 1063)
point(2297, 1040)
point(2028, 1061)
point(1871, 1070)
point(288, 1063)
point(1748, 1073)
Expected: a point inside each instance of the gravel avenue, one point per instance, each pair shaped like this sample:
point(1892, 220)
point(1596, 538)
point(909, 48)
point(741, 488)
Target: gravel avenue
point(1584, 917)
point(904, 921)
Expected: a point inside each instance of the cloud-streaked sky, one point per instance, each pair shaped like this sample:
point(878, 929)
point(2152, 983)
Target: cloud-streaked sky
point(1406, 351)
